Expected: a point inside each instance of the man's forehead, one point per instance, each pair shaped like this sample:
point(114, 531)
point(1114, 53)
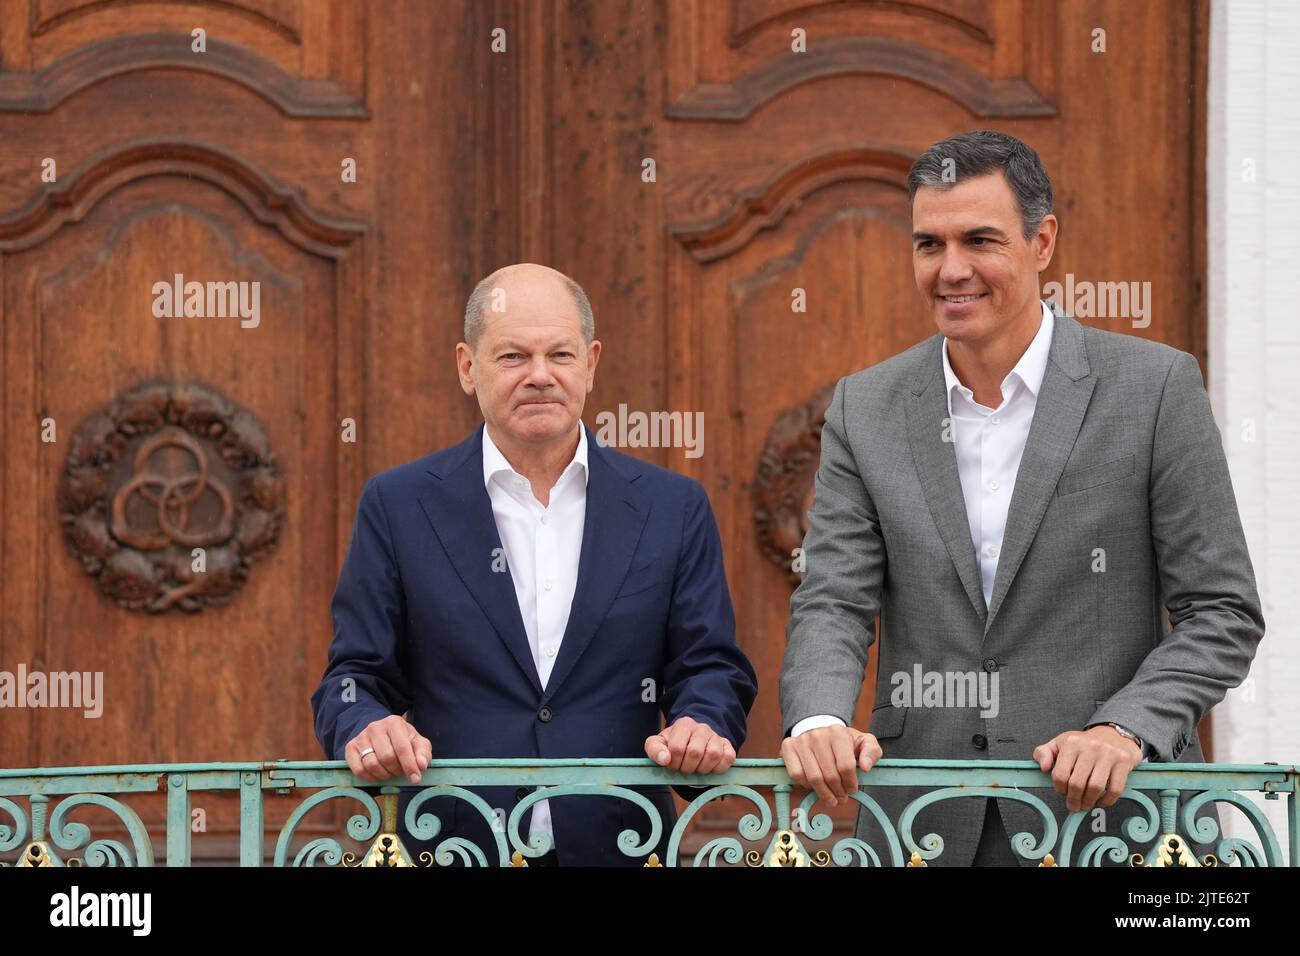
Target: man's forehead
point(532, 327)
point(962, 213)
point(986, 192)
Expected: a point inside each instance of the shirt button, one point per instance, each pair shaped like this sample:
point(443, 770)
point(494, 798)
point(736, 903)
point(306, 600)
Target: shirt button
point(993, 551)
point(547, 585)
point(550, 652)
point(543, 519)
point(993, 486)
point(519, 481)
point(995, 420)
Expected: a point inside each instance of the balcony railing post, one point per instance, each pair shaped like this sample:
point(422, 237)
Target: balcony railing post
point(178, 820)
point(1293, 820)
point(250, 819)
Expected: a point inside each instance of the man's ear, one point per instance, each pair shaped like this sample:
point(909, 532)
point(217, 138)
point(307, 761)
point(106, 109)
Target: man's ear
point(1045, 241)
point(593, 357)
point(465, 367)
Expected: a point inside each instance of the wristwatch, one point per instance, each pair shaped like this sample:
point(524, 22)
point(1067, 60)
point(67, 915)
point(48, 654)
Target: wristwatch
point(1130, 735)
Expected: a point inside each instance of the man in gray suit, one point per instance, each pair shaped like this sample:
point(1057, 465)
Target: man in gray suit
point(1016, 496)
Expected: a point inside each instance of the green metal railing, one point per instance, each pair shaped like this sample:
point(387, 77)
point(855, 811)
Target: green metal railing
point(770, 833)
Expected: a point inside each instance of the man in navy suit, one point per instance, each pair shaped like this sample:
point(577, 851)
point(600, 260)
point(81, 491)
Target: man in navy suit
point(529, 593)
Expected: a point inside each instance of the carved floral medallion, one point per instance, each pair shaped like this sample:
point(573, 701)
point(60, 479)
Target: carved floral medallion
point(169, 495)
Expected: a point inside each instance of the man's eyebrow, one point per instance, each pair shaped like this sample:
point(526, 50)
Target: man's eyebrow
point(968, 234)
point(514, 346)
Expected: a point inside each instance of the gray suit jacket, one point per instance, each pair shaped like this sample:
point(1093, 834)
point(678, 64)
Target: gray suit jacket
point(1122, 504)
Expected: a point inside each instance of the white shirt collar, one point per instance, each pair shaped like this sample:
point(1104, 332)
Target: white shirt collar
point(495, 463)
point(1030, 369)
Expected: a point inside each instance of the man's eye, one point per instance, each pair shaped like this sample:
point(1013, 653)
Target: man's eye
point(925, 244)
point(978, 239)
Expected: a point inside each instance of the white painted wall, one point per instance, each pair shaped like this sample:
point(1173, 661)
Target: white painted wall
point(1253, 213)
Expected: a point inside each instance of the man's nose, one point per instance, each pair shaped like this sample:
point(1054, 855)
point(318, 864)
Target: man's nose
point(955, 267)
point(539, 373)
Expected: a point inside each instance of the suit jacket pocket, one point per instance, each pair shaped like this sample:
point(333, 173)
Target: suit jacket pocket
point(887, 721)
point(1082, 479)
point(643, 578)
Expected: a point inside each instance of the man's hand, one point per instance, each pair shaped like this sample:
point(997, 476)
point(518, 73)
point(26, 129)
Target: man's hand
point(397, 748)
point(691, 747)
point(827, 760)
point(1089, 763)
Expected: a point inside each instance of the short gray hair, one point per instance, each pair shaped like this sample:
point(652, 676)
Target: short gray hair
point(982, 151)
point(476, 308)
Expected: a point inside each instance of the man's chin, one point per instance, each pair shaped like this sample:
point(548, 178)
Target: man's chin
point(955, 328)
point(963, 326)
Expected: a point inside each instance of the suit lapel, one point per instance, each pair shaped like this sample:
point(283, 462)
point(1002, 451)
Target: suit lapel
point(460, 511)
point(616, 515)
point(936, 466)
point(1058, 414)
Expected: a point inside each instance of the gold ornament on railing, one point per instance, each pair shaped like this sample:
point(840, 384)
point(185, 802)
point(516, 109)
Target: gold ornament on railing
point(1173, 852)
point(388, 849)
point(785, 852)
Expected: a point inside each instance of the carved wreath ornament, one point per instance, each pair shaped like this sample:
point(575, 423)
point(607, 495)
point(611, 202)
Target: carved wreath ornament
point(169, 495)
point(783, 488)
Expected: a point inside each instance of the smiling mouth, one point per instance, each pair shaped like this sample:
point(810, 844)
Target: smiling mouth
point(963, 298)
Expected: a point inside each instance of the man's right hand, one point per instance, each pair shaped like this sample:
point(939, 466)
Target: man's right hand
point(827, 760)
point(397, 748)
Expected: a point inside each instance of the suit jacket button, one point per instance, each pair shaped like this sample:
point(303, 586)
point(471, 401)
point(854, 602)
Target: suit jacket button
point(544, 715)
point(980, 741)
point(990, 665)
point(523, 792)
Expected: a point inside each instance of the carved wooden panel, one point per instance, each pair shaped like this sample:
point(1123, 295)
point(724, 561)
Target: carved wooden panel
point(970, 17)
point(169, 495)
point(279, 16)
point(305, 58)
point(81, 326)
point(730, 63)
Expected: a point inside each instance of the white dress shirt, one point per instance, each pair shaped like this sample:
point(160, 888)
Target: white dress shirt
point(542, 547)
point(989, 443)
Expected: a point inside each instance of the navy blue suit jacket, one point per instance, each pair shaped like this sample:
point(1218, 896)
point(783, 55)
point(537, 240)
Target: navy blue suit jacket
point(423, 624)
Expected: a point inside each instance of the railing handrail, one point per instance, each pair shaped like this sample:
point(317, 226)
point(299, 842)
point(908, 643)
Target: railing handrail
point(643, 762)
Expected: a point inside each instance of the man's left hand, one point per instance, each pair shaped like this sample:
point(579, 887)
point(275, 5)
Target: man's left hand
point(691, 747)
point(1087, 764)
